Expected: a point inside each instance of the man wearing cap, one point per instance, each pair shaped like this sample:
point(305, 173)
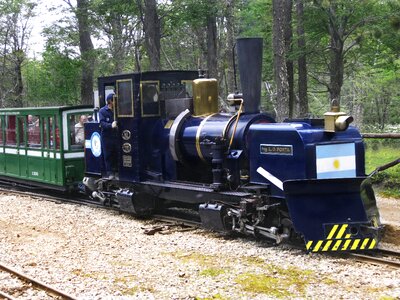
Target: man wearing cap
point(109, 137)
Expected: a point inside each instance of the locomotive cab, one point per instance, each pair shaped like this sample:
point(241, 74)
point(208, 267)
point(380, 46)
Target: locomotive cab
point(141, 110)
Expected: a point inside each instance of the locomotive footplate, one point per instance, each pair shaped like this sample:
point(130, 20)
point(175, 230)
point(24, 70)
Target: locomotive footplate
point(330, 214)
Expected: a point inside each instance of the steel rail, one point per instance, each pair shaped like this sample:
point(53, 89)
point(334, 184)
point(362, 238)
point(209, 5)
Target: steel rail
point(6, 296)
point(388, 252)
point(382, 252)
point(176, 221)
point(37, 283)
point(375, 260)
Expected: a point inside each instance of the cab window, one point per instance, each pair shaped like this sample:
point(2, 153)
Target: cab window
point(125, 98)
point(150, 99)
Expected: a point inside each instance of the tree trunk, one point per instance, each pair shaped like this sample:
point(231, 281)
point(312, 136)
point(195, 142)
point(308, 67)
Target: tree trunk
point(302, 61)
point(336, 69)
point(117, 46)
point(212, 64)
point(230, 42)
point(280, 69)
point(87, 52)
point(19, 87)
point(336, 66)
point(287, 23)
point(152, 32)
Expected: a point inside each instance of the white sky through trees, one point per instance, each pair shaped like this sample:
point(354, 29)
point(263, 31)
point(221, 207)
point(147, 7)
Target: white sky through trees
point(46, 13)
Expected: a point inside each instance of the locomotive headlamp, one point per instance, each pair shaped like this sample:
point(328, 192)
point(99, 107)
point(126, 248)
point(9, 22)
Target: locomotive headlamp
point(343, 122)
point(336, 120)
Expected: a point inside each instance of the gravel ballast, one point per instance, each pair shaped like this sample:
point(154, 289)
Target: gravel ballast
point(99, 254)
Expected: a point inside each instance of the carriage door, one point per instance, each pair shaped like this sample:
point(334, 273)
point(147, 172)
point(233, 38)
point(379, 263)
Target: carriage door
point(2, 135)
point(21, 151)
point(51, 143)
point(127, 132)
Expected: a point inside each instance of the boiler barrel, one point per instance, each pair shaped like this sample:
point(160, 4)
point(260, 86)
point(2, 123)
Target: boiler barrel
point(198, 134)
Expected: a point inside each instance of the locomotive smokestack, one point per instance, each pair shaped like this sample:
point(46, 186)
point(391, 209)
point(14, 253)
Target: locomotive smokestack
point(249, 52)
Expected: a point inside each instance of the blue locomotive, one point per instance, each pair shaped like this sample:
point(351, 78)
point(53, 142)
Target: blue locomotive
point(241, 171)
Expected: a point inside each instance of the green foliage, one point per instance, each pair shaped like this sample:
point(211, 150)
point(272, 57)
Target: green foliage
point(15, 24)
point(256, 21)
point(375, 91)
point(8, 7)
point(370, 48)
point(54, 80)
point(115, 23)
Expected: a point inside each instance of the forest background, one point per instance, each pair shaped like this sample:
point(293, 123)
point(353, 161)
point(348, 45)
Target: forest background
point(315, 51)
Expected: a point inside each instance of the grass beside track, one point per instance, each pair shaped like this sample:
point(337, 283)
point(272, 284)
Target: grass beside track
point(387, 182)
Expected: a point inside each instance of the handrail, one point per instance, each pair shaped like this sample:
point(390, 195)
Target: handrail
point(388, 135)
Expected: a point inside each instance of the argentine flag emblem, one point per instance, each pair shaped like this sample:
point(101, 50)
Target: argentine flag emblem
point(336, 161)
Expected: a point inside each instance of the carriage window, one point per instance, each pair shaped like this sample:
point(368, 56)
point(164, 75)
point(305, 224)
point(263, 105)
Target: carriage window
point(1, 130)
point(33, 131)
point(150, 91)
point(54, 133)
point(10, 131)
point(45, 122)
point(21, 130)
point(76, 129)
point(125, 98)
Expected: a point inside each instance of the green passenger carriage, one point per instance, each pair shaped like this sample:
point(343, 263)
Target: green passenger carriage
point(40, 146)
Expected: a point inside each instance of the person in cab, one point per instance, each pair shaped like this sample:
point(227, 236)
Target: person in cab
point(109, 137)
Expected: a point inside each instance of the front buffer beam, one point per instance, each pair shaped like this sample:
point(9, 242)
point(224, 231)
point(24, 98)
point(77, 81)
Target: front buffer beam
point(330, 214)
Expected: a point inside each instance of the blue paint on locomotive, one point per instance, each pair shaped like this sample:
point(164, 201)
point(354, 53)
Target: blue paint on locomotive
point(288, 151)
point(93, 161)
point(316, 204)
point(199, 133)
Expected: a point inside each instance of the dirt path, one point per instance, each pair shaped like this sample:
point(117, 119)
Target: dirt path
point(389, 209)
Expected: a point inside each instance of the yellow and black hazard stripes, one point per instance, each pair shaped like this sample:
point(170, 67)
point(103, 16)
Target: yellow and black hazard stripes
point(341, 245)
point(338, 231)
point(339, 240)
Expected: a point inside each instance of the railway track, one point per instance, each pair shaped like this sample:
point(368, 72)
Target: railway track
point(380, 256)
point(28, 282)
point(180, 223)
point(166, 216)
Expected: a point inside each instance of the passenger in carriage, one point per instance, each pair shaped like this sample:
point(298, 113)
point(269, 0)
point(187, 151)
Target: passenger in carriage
point(79, 130)
point(109, 137)
point(33, 131)
point(32, 122)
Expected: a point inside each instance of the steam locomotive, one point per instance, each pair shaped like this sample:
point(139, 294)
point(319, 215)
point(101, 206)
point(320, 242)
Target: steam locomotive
point(241, 171)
